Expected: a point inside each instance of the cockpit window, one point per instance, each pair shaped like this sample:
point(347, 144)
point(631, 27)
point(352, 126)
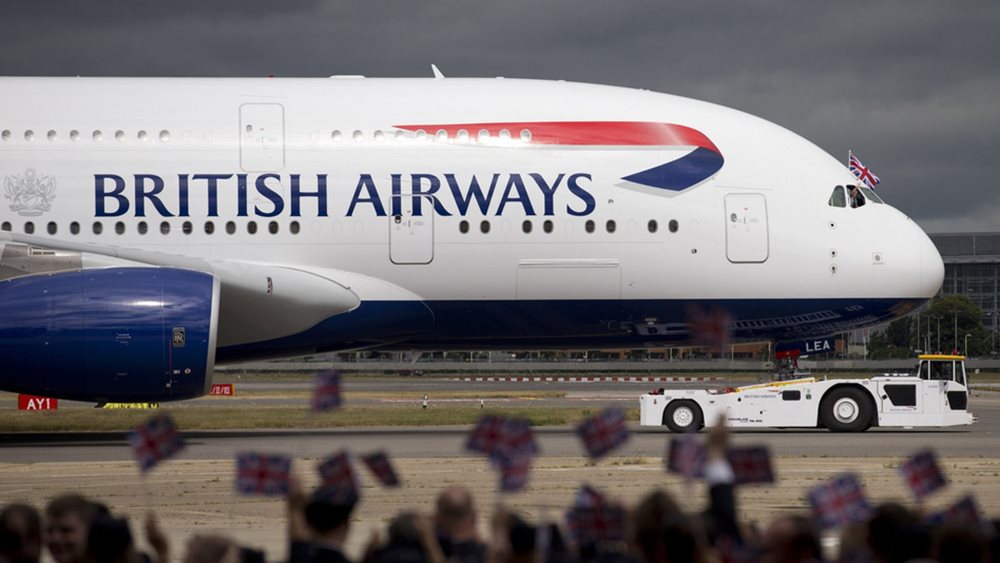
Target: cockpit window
point(870, 194)
point(856, 196)
point(837, 198)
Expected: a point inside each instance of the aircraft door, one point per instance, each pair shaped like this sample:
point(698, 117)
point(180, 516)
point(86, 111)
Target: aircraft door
point(746, 228)
point(262, 137)
point(411, 231)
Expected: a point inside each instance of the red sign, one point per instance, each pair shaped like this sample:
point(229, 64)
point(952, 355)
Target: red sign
point(33, 403)
point(223, 389)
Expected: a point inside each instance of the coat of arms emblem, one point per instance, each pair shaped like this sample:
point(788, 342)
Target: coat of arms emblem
point(31, 193)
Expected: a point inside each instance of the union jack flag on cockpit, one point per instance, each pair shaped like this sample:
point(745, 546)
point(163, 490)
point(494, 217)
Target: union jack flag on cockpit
point(862, 172)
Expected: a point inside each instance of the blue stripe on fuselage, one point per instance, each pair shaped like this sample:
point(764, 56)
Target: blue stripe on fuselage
point(441, 325)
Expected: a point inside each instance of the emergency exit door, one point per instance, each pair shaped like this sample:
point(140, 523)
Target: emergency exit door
point(411, 231)
point(746, 228)
point(262, 137)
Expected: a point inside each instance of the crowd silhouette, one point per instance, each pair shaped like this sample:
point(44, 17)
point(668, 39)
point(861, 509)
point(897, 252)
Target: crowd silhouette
point(75, 529)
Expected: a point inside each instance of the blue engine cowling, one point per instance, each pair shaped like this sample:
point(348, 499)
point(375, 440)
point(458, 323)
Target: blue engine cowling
point(117, 334)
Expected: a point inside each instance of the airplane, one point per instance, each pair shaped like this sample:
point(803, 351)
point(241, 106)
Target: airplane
point(151, 228)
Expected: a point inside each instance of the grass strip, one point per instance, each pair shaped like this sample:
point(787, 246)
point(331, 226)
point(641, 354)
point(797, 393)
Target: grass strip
point(258, 418)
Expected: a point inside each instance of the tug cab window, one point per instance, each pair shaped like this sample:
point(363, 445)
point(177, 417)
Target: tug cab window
point(837, 198)
point(937, 371)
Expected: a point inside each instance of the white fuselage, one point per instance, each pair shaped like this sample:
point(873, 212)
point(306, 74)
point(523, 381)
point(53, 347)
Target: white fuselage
point(316, 176)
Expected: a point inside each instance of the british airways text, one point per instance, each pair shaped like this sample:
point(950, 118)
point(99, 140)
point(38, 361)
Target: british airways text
point(271, 195)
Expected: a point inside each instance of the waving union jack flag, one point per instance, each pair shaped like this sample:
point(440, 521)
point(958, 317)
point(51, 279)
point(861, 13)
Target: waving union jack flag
point(326, 395)
point(751, 464)
point(839, 502)
point(593, 519)
point(685, 455)
point(337, 471)
point(378, 463)
point(965, 511)
point(922, 473)
point(154, 441)
point(262, 474)
point(510, 444)
point(604, 432)
point(502, 439)
point(862, 172)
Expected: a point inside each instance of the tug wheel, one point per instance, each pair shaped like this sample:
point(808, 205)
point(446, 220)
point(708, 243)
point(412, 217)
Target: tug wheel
point(845, 409)
point(683, 416)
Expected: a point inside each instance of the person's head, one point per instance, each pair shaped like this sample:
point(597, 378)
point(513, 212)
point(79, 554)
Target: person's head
point(211, 549)
point(660, 531)
point(895, 534)
point(960, 544)
point(328, 511)
point(67, 521)
point(791, 539)
point(455, 513)
point(109, 540)
point(20, 534)
point(404, 544)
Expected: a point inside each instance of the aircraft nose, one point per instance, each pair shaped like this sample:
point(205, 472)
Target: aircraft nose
point(931, 267)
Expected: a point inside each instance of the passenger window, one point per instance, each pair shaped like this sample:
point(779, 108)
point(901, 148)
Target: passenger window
point(5, 226)
point(589, 226)
point(142, 227)
point(252, 227)
point(209, 227)
point(98, 227)
point(610, 226)
point(52, 228)
point(187, 227)
point(547, 226)
point(230, 227)
point(673, 225)
point(74, 228)
point(272, 227)
point(29, 228)
point(294, 227)
point(165, 228)
point(526, 226)
point(484, 227)
point(837, 198)
point(463, 227)
point(120, 228)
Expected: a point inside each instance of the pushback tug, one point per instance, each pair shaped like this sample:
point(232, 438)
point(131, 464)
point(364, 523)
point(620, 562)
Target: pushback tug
point(937, 395)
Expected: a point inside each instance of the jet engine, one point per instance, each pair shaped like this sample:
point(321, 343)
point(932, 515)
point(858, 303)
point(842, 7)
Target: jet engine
point(114, 334)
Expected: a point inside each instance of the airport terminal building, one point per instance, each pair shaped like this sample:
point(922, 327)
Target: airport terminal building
point(972, 268)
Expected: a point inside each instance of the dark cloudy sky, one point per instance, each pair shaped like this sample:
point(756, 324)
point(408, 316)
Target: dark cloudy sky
point(912, 86)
